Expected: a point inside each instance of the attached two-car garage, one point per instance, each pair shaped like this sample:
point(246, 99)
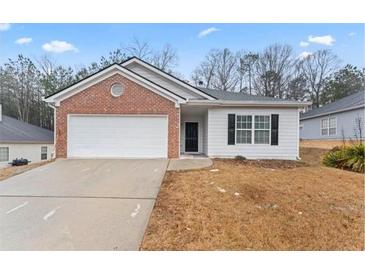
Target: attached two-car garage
point(117, 136)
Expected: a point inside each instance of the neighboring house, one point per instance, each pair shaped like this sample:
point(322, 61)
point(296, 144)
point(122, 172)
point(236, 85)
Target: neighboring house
point(342, 119)
point(22, 140)
point(135, 110)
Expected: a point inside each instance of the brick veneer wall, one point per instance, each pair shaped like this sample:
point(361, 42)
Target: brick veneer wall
point(136, 99)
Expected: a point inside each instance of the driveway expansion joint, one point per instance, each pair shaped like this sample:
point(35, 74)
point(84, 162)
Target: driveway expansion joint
point(77, 197)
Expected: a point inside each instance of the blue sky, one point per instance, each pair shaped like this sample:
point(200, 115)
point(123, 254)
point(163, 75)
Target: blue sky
point(80, 44)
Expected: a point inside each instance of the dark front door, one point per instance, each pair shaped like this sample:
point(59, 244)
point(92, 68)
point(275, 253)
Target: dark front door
point(191, 137)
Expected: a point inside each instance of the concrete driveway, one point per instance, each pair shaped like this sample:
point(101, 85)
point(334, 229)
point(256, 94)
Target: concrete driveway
point(79, 205)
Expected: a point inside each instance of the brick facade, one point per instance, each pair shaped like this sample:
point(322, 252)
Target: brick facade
point(136, 99)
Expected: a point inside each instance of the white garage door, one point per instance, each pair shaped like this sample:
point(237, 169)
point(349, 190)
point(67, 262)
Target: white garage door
point(117, 136)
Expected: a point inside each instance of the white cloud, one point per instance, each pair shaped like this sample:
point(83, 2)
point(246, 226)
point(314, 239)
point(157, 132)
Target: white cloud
point(352, 33)
point(327, 40)
point(59, 46)
point(206, 32)
point(303, 44)
point(4, 26)
point(304, 55)
point(23, 40)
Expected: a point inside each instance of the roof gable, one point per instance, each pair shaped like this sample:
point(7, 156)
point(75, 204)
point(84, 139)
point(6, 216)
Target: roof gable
point(165, 79)
point(73, 89)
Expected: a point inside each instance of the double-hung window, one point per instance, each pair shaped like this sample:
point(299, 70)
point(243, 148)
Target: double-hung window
point(43, 153)
point(329, 126)
point(332, 126)
point(262, 129)
point(4, 154)
point(244, 129)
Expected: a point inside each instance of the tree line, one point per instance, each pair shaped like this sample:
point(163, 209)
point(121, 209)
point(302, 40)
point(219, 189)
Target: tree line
point(274, 72)
point(277, 72)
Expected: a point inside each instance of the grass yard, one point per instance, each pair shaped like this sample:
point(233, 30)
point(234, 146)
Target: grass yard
point(259, 205)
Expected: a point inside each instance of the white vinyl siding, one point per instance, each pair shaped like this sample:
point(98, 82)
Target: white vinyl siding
point(288, 134)
point(117, 136)
point(31, 152)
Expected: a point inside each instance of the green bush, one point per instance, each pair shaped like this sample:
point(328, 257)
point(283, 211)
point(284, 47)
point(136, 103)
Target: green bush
point(347, 157)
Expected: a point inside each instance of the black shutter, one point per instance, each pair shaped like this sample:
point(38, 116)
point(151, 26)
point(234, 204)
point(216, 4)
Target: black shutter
point(231, 129)
point(274, 129)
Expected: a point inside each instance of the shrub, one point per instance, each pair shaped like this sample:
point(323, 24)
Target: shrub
point(349, 157)
point(240, 157)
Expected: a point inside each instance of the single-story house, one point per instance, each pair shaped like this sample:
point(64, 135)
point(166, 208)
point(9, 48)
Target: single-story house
point(135, 110)
point(339, 120)
point(22, 140)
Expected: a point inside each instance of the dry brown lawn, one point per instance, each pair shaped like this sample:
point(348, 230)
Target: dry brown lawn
point(15, 170)
point(325, 144)
point(259, 205)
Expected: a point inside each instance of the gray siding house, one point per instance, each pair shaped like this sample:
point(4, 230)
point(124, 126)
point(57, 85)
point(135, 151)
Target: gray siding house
point(335, 121)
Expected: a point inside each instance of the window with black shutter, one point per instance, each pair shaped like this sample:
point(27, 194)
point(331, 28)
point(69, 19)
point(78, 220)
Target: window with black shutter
point(231, 129)
point(274, 129)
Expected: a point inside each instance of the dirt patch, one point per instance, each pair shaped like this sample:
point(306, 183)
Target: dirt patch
point(312, 156)
point(273, 164)
point(8, 172)
point(244, 206)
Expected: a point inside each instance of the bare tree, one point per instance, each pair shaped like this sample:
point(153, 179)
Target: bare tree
point(140, 49)
point(247, 63)
point(316, 68)
point(204, 73)
point(165, 59)
point(226, 70)
point(273, 70)
point(218, 70)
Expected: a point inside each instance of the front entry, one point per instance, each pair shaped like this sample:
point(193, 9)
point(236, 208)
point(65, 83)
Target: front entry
point(191, 137)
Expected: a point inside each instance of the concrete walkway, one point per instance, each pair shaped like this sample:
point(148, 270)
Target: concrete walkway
point(186, 164)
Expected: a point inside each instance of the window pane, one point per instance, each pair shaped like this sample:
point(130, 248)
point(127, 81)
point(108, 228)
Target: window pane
point(325, 131)
point(262, 136)
point(4, 154)
point(243, 137)
point(43, 153)
point(332, 131)
point(244, 122)
point(262, 122)
point(332, 122)
point(325, 123)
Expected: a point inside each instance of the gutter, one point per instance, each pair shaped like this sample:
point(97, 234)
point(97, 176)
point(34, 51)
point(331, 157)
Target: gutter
point(247, 103)
point(331, 112)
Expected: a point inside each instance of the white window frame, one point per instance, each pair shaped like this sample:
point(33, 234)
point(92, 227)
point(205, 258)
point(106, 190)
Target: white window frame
point(261, 129)
point(8, 152)
point(328, 126)
point(244, 129)
point(44, 153)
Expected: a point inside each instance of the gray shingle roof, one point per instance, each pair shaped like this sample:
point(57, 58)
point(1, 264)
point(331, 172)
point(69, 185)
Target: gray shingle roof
point(352, 101)
point(239, 96)
point(15, 131)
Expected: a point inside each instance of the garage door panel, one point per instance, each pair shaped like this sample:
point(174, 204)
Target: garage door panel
point(117, 136)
